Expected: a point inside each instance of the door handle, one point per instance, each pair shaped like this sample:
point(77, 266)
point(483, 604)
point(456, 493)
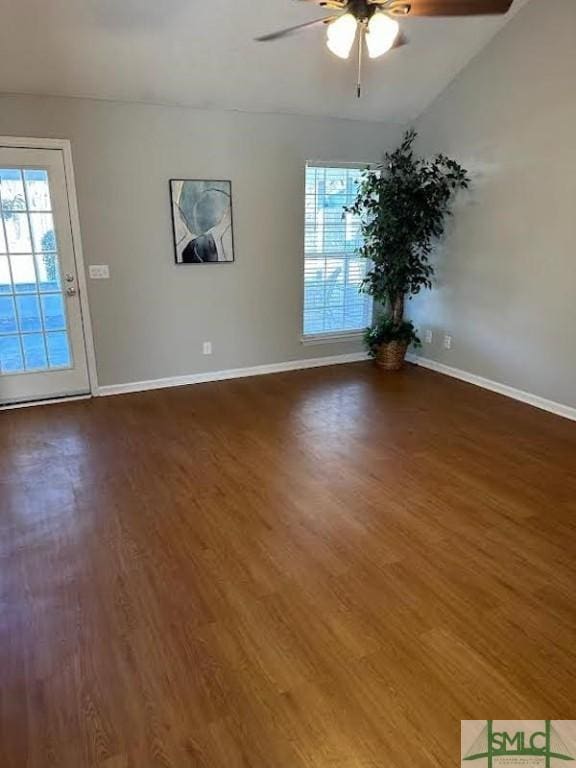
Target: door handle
point(70, 291)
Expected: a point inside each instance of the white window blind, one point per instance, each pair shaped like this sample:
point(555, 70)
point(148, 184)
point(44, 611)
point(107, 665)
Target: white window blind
point(332, 270)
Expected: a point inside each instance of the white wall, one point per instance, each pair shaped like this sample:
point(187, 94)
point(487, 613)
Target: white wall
point(507, 277)
point(124, 155)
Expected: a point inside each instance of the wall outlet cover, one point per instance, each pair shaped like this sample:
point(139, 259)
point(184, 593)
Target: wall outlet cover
point(99, 271)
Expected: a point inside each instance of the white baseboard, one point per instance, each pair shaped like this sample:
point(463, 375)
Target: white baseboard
point(502, 389)
point(234, 373)
point(317, 362)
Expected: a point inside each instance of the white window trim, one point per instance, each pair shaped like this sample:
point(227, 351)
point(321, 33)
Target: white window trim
point(332, 337)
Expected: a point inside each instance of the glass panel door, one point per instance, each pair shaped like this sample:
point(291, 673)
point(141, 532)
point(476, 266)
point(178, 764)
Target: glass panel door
point(33, 326)
point(40, 318)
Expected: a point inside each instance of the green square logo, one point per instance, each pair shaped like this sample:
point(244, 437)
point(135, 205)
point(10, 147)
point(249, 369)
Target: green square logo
point(517, 743)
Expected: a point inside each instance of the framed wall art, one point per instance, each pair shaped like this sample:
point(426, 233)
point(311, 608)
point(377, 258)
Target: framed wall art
point(202, 221)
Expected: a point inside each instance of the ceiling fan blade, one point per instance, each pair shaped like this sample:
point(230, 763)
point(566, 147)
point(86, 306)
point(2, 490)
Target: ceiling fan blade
point(292, 30)
point(328, 3)
point(444, 7)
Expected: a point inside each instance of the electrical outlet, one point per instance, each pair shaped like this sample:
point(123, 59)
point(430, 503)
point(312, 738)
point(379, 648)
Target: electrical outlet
point(207, 348)
point(447, 341)
point(428, 336)
point(99, 271)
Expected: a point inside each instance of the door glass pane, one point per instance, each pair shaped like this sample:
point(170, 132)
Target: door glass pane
point(11, 360)
point(12, 190)
point(37, 190)
point(33, 322)
point(34, 351)
point(58, 350)
point(7, 315)
point(23, 273)
point(47, 272)
point(17, 232)
point(29, 313)
point(5, 281)
point(53, 312)
point(43, 232)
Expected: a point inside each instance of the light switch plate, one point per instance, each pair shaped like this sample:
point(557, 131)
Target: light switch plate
point(99, 271)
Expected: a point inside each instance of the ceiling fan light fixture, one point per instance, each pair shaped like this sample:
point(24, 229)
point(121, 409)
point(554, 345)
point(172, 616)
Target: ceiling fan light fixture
point(381, 34)
point(341, 34)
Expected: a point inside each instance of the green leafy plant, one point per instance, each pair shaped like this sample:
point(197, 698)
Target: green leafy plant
point(403, 205)
point(384, 330)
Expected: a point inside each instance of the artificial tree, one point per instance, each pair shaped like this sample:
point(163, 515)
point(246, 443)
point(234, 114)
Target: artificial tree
point(402, 205)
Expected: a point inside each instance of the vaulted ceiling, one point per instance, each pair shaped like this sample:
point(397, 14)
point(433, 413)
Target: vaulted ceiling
point(202, 54)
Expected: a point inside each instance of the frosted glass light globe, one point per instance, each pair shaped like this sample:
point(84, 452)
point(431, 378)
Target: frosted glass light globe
point(341, 34)
point(381, 33)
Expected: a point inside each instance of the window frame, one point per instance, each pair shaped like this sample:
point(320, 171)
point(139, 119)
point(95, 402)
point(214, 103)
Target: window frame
point(341, 335)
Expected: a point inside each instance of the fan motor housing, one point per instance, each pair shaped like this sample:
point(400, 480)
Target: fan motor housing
point(363, 10)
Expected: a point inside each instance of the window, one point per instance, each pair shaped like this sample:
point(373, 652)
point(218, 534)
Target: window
point(333, 271)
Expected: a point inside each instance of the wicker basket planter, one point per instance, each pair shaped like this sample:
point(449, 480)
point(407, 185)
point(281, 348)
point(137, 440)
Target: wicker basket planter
point(391, 356)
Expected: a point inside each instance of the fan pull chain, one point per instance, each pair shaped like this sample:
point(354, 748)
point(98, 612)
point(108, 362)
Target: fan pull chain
point(360, 52)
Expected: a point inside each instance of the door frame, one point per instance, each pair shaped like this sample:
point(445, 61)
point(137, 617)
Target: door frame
point(65, 147)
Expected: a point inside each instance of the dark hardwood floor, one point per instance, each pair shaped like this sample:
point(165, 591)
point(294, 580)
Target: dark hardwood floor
point(321, 569)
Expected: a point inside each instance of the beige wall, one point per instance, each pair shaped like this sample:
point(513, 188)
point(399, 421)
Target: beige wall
point(124, 155)
point(506, 287)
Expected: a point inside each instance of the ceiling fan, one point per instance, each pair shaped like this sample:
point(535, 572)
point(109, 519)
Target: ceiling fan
point(376, 21)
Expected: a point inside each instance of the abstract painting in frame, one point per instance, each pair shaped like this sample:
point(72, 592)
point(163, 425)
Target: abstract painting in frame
point(202, 221)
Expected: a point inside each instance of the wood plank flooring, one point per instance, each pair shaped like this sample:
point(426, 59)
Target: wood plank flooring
point(321, 569)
